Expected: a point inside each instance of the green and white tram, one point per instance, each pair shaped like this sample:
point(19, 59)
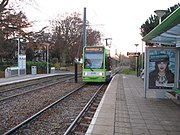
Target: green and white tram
point(96, 64)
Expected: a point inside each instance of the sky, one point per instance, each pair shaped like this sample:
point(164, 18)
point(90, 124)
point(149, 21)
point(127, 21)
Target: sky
point(119, 20)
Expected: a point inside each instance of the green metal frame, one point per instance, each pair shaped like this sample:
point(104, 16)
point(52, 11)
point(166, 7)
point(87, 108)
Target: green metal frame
point(171, 21)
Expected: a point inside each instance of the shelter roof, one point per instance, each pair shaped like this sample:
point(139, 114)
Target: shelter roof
point(167, 32)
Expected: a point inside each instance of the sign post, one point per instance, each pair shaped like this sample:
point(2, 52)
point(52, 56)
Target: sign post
point(135, 54)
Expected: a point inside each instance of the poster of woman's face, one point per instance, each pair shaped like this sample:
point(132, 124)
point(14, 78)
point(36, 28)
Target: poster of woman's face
point(161, 68)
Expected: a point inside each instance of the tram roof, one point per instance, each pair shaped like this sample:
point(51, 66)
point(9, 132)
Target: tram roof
point(168, 32)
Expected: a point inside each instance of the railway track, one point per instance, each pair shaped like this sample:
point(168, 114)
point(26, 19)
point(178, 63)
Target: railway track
point(30, 86)
point(80, 125)
point(15, 110)
point(57, 116)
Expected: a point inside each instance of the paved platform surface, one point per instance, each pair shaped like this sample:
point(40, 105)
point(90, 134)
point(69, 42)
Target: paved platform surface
point(124, 110)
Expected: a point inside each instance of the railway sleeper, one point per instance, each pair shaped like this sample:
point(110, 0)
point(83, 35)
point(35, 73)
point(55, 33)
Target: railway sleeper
point(93, 108)
point(90, 112)
point(88, 118)
point(95, 104)
point(84, 125)
point(79, 133)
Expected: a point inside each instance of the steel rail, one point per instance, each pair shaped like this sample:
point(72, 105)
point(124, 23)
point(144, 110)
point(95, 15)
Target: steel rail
point(14, 129)
point(6, 98)
point(11, 89)
point(68, 131)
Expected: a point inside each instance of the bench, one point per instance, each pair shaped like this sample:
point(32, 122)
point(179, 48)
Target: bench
point(174, 95)
point(177, 92)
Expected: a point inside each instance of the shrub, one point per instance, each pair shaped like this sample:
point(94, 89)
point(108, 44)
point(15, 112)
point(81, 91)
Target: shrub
point(41, 66)
point(128, 71)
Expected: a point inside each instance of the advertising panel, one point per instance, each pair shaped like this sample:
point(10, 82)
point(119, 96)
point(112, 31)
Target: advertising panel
point(161, 68)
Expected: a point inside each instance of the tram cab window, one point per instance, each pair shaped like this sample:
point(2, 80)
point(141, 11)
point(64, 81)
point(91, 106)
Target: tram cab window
point(93, 61)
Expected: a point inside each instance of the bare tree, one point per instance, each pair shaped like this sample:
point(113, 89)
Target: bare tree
point(11, 23)
point(68, 36)
point(3, 4)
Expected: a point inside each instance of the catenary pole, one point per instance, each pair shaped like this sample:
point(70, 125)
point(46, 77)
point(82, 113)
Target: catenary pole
point(84, 28)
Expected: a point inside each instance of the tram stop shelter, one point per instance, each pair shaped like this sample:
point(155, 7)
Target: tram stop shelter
point(166, 37)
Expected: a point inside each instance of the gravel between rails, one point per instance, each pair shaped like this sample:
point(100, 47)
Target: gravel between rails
point(14, 111)
point(56, 120)
point(30, 87)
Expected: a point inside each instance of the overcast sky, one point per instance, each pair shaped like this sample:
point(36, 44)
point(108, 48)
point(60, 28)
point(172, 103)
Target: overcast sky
point(119, 20)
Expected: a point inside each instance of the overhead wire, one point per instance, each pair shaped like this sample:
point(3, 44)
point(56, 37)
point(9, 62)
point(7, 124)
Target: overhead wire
point(36, 6)
point(96, 16)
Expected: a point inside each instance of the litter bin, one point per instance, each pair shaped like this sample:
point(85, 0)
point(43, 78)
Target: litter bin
point(52, 70)
point(33, 70)
point(7, 72)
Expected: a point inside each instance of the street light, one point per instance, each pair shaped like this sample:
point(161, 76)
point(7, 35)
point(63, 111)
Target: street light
point(160, 13)
point(18, 56)
point(107, 44)
point(47, 56)
point(137, 57)
point(14, 27)
point(142, 66)
point(136, 46)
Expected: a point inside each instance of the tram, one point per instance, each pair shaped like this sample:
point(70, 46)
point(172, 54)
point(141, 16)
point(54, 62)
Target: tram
point(97, 64)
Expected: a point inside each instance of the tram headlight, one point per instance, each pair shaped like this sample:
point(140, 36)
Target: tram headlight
point(85, 73)
point(101, 74)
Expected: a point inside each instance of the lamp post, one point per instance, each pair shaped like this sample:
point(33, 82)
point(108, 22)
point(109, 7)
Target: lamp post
point(136, 46)
point(160, 13)
point(47, 57)
point(137, 57)
point(107, 41)
point(142, 57)
point(18, 56)
point(14, 27)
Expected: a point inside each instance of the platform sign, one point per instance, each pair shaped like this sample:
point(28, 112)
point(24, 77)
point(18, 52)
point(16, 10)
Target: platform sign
point(135, 54)
point(22, 61)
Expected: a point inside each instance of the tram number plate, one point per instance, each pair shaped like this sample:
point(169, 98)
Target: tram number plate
point(93, 73)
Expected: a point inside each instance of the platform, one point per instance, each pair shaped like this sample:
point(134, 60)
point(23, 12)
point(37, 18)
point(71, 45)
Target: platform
point(10, 80)
point(124, 110)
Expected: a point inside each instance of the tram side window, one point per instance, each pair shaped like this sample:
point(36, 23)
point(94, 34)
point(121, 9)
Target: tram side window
point(108, 63)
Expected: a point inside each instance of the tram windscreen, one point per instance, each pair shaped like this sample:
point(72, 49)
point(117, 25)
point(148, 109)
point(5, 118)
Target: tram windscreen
point(93, 58)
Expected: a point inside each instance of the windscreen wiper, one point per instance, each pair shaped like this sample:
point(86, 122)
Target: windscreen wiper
point(91, 69)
